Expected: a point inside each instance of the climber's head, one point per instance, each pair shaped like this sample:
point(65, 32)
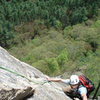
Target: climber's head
point(74, 81)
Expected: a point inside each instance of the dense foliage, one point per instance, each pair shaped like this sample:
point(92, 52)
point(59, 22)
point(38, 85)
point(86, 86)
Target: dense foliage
point(55, 12)
point(65, 47)
point(74, 49)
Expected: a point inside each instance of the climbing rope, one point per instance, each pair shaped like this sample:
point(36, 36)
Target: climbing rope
point(41, 83)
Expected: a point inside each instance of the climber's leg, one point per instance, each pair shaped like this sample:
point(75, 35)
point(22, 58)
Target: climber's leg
point(68, 91)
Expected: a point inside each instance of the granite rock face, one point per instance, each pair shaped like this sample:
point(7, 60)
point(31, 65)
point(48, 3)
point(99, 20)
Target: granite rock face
point(16, 87)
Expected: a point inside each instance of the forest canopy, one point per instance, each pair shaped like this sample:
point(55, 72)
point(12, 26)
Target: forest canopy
point(57, 13)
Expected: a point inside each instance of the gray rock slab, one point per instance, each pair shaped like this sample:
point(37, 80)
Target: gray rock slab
point(14, 87)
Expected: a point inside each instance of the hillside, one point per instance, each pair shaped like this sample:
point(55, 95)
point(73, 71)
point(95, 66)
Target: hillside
point(57, 51)
point(54, 36)
point(55, 13)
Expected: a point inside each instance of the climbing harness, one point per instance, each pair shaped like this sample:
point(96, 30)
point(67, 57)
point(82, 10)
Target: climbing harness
point(41, 83)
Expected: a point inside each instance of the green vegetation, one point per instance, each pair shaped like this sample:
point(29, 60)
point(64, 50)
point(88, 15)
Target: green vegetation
point(52, 35)
point(75, 48)
point(55, 13)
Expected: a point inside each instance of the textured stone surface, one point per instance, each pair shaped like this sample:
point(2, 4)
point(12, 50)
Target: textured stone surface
point(13, 87)
point(98, 97)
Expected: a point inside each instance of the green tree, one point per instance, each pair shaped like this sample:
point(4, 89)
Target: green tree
point(53, 65)
point(62, 58)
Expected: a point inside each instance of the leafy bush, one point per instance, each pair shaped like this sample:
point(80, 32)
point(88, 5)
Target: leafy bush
point(57, 24)
point(62, 58)
point(42, 66)
point(53, 65)
point(97, 24)
point(98, 50)
point(37, 41)
point(29, 58)
point(67, 29)
point(75, 49)
point(86, 34)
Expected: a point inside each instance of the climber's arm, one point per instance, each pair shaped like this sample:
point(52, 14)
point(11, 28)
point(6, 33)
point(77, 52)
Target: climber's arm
point(84, 96)
point(57, 80)
point(54, 79)
point(83, 92)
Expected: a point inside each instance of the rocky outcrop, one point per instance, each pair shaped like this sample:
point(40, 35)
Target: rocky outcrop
point(16, 87)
